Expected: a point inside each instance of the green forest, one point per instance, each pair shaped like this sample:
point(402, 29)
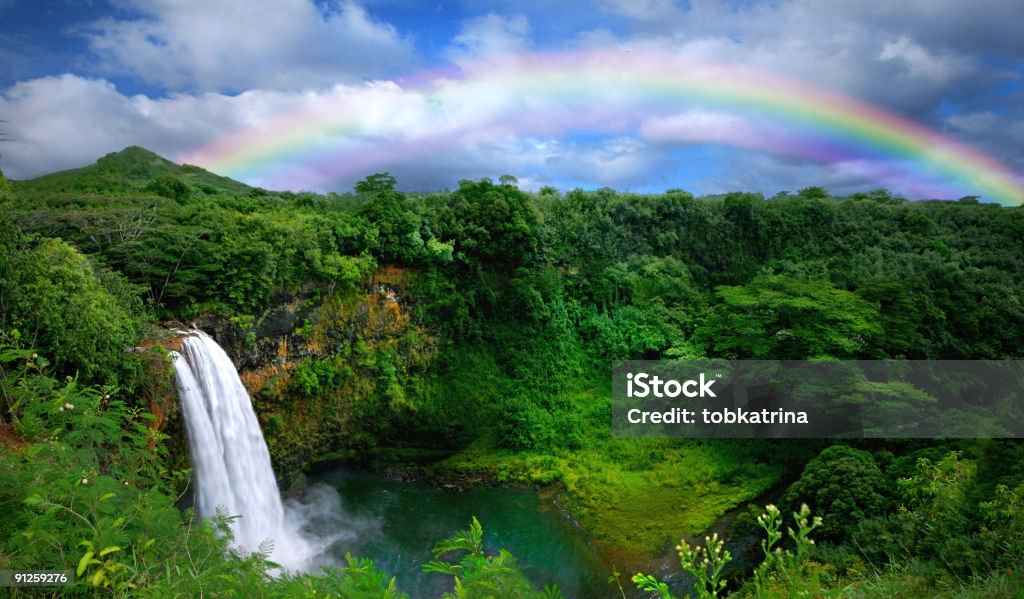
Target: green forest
point(465, 337)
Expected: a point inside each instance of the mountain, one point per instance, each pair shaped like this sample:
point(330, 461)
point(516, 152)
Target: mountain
point(133, 170)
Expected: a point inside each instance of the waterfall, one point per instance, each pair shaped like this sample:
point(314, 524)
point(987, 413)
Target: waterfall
point(230, 459)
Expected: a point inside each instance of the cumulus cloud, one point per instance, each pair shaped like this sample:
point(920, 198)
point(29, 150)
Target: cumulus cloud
point(771, 174)
point(490, 36)
point(999, 134)
point(920, 62)
point(430, 139)
point(783, 158)
point(651, 13)
point(68, 121)
point(711, 126)
point(620, 162)
point(242, 44)
point(906, 56)
point(48, 136)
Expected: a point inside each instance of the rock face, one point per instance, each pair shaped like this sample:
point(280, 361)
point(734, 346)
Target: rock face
point(159, 396)
point(299, 328)
point(305, 363)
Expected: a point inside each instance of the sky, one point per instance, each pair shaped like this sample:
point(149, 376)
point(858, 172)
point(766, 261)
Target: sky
point(643, 95)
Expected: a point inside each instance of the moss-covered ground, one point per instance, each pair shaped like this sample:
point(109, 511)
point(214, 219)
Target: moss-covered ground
point(633, 496)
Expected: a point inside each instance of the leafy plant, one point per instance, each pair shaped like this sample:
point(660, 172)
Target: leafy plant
point(704, 563)
point(479, 575)
point(788, 563)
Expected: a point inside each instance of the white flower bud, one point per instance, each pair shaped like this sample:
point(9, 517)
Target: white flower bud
point(85, 481)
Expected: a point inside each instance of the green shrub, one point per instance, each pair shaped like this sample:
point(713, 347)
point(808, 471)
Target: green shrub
point(478, 574)
point(83, 317)
point(844, 486)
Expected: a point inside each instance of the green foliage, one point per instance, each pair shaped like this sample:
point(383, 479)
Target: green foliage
point(397, 226)
point(478, 574)
point(705, 564)
point(358, 579)
point(626, 332)
point(314, 377)
point(646, 582)
point(784, 318)
point(84, 317)
point(945, 527)
point(169, 186)
point(530, 424)
point(376, 183)
point(512, 307)
point(940, 543)
point(93, 479)
point(844, 486)
point(493, 224)
point(126, 172)
point(5, 187)
point(785, 564)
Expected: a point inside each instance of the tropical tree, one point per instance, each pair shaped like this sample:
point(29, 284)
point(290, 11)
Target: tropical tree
point(781, 317)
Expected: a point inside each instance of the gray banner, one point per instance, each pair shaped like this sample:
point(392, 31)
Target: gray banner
point(818, 399)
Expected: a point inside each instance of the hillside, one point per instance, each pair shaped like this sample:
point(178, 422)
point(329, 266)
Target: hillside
point(132, 170)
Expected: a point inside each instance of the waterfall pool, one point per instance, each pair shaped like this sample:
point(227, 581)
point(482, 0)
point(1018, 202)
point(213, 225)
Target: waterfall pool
point(398, 523)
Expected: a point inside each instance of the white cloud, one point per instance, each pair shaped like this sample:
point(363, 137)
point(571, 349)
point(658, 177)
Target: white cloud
point(243, 44)
point(906, 56)
point(920, 63)
point(601, 37)
point(60, 122)
point(649, 12)
point(430, 141)
point(998, 134)
point(69, 121)
point(621, 161)
point(490, 36)
point(709, 126)
point(770, 175)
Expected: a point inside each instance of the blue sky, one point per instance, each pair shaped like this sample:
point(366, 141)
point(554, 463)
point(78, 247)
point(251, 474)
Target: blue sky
point(86, 77)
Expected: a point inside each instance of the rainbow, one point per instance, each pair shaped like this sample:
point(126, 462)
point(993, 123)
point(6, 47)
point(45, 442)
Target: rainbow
point(354, 130)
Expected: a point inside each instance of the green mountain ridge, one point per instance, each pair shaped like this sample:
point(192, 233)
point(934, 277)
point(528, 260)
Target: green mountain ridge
point(132, 170)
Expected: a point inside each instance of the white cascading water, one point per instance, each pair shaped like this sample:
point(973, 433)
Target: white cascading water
point(230, 459)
